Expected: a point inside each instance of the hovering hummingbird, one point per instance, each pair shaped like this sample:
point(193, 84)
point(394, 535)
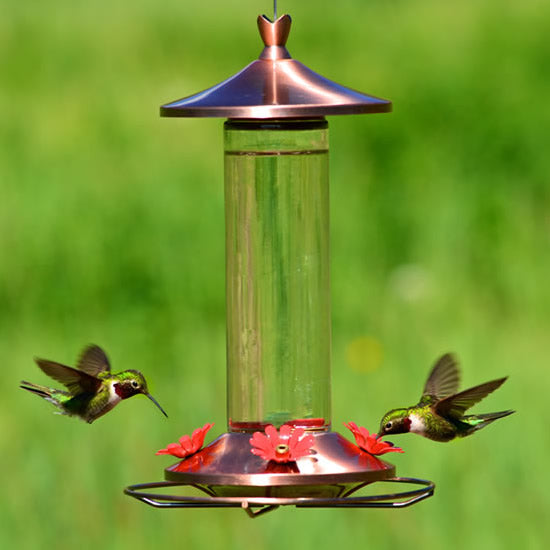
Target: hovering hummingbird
point(439, 415)
point(93, 389)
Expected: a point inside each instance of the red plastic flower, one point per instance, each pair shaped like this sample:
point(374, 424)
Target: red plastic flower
point(287, 445)
point(371, 443)
point(187, 445)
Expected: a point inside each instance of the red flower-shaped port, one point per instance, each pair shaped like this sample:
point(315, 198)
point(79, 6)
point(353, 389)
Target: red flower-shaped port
point(187, 445)
point(371, 443)
point(287, 445)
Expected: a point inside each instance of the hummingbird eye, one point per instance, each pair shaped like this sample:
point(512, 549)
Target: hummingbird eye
point(135, 384)
point(388, 425)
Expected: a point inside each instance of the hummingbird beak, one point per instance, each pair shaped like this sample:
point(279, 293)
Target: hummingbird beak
point(156, 403)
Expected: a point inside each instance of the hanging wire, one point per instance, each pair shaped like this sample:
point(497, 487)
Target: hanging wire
point(274, 10)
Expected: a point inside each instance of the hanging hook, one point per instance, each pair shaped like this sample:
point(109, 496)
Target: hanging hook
point(274, 10)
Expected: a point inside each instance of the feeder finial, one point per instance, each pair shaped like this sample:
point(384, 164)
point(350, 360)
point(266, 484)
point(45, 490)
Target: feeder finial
point(274, 35)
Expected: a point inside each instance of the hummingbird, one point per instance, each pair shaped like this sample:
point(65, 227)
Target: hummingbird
point(439, 415)
point(92, 389)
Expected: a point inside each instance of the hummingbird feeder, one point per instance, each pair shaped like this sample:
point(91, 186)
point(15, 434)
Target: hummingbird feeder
point(278, 298)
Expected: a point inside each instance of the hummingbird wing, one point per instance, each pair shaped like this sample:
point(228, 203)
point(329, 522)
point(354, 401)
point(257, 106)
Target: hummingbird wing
point(76, 381)
point(456, 405)
point(93, 360)
point(443, 379)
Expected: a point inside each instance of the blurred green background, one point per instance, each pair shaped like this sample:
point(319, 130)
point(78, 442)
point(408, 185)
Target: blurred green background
point(112, 231)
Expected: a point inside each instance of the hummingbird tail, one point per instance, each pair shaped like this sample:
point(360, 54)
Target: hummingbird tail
point(42, 391)
point(46, 393)
point(49, 394)
point(478, 421)
point(61, 399)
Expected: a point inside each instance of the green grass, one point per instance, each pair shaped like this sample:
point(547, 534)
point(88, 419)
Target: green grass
point(112, 231)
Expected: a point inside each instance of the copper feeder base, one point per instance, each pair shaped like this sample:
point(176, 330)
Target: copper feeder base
point(231, 476)
point(226, 467)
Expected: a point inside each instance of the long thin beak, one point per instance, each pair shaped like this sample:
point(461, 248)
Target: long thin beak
point(157, 404)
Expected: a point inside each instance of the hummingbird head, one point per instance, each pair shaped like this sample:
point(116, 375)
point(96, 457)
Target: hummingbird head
point(132, 382)
point(396, 421)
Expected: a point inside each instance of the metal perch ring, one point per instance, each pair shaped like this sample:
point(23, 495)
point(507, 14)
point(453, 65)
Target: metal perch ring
point(266, 504)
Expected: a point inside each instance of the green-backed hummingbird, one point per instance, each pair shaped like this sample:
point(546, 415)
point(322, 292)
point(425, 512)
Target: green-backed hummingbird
point(92, 389)
point(439, 415)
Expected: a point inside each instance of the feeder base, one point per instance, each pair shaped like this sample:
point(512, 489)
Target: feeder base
point(227, 475)
point(227, 468)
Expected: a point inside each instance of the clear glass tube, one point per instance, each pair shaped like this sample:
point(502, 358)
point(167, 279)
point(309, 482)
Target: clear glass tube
point(277, 274)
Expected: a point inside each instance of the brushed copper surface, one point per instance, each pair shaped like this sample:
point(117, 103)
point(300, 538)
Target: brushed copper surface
point(226, 467)
point(275, 86)
point(274, 33)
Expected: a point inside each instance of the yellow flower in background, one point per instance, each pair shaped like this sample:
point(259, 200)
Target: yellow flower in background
point(364, 354)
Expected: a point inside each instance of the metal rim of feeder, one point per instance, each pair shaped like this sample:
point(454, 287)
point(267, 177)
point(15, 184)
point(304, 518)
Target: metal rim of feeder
point(276, 108)
point(393, 500)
